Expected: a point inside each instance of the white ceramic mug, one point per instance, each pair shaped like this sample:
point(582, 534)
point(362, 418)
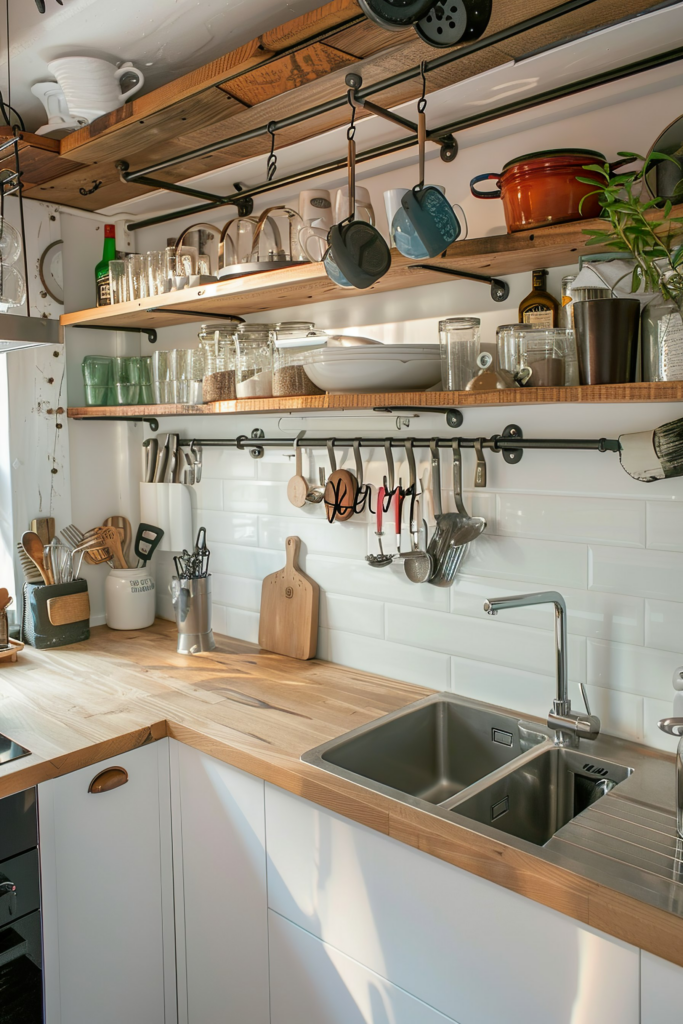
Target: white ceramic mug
point(91, 86)
point(315, 210)
point(59, 119)
point(364, 210)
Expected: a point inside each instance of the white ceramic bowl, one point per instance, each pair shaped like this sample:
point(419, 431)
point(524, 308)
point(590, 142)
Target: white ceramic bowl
point(374, 368)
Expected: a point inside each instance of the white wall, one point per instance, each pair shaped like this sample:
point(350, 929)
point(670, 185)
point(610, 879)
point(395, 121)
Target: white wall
point(571, 521)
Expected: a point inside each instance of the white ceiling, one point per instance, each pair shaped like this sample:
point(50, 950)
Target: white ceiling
point(164, 38)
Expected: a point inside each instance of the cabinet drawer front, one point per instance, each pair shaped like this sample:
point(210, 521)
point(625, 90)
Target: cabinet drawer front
point(312, 982)
point(455, 941)
point(661, 990)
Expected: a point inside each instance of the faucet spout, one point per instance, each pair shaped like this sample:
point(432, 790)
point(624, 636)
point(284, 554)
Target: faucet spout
point(568, 725)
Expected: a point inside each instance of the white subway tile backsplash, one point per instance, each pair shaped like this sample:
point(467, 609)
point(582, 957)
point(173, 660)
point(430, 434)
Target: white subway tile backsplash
point(241, 624)
point(620, 714)
point(351, 614)
point(236, 591)
point(248, 562)
point(647, 573)
point(227, 464)
point(513, 688)
point(207, 494)
point(664, 625)
point(604, 616)
point(347, 576)
point(665, 525)
point(229, 527)
point(261, 496)
point(490, 640)
point(397, 661)
point(580, 519)
point(350, 539)
point(640, 670)
point(552, 563)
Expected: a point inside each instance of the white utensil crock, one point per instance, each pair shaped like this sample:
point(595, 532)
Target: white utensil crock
point(168, 506)
point(129, 599)
point(91, 86)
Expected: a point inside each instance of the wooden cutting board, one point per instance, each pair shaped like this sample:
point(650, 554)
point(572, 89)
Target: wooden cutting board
point(289, 609)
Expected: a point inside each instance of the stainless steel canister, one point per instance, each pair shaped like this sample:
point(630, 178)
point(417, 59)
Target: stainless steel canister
point(192, 604)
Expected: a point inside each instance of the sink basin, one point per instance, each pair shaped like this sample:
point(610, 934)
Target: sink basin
point(10, 751)
point(430, 751)
point(534, 800)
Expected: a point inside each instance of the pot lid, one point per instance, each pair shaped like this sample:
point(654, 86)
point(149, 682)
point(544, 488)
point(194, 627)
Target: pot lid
point(547, 153)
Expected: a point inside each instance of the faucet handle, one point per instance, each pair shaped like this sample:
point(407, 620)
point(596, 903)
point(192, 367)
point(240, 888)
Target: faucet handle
point(585, 698)
point(671, 726)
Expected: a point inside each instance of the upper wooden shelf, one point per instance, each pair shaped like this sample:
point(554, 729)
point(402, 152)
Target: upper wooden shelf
point(670, 391)
point(493, 256)
point(287, 69)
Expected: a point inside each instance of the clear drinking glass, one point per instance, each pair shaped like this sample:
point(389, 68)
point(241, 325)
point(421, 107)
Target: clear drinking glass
point(156, 273)
point(97, 378)
point(162, 384)
point(118, 279)
point(137, 276)
point(146, 390)
point(204, 264)
point(460, 345)
point(126, 373)
point(12, 288)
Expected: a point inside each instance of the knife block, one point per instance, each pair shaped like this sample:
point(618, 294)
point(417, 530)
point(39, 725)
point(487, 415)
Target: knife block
point(168, 506)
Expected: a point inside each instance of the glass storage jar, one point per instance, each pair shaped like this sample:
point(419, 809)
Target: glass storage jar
point(217, 342)
point(550, 354)
point(460, 345)
point(292, 340)
point(254, 360)
point(662, 340)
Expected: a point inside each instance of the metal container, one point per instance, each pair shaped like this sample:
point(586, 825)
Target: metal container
point(607, 340)
point(192, 604)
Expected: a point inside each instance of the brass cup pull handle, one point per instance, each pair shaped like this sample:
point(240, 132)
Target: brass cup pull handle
point(108, 779)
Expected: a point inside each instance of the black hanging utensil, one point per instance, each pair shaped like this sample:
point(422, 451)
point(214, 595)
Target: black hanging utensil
point(146, 542)
point(395, 14)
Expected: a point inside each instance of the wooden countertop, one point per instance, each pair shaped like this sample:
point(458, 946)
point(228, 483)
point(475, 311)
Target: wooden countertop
point(259, 712)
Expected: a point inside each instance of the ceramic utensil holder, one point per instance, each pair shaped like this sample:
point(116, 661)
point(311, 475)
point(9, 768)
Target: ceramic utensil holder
point(129, 599)
point(192, 604)
point(169, 507)
point(56, 615)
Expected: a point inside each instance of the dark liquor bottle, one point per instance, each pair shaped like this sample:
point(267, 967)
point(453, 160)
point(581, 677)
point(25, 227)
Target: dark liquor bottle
point(539, 308)
point(102, 281)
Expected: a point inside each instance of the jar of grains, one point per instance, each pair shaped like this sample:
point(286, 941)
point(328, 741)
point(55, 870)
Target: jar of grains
point(217, 342)
point(254, 363)
point(292, 340)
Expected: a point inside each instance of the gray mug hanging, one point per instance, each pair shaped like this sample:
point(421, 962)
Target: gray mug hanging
point(357, 252)
point(426, 207)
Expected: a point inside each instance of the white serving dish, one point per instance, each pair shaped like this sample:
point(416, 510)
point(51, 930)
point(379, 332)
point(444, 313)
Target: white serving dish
point(374, 368)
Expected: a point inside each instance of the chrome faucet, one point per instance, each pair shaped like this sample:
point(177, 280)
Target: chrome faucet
point(569, 726)
point(674, 727)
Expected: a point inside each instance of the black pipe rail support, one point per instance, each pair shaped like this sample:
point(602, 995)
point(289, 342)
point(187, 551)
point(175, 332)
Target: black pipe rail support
point(500, 290)
point(188, 312)
point(152, 421)
point(149, 331)
point(453, 416)
point(445, 131)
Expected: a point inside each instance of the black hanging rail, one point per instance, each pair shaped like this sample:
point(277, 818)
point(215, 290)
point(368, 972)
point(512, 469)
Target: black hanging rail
point(443, 133)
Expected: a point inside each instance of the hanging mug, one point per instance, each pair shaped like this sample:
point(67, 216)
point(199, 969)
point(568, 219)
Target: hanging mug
point(315, 210)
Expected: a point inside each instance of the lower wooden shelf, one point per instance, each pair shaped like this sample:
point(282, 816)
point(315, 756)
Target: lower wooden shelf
point(669, 391)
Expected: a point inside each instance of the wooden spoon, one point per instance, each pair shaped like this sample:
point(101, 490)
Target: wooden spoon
point(297, 488)
point(123, 525)
point(109, 536)
point(33, 546)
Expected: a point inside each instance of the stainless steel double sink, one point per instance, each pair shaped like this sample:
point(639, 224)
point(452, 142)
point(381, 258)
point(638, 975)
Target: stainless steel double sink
point(454, 756)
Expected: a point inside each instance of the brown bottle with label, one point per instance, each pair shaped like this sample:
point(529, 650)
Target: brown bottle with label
point(539, 308)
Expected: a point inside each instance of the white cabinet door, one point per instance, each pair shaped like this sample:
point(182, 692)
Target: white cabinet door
point(313, 983)
point(221, 901)
point(107, 894)
point(661, 990)
point(476, 952)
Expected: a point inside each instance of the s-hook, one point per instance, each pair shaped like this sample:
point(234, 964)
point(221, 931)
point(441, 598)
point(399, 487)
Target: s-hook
point(272, 157)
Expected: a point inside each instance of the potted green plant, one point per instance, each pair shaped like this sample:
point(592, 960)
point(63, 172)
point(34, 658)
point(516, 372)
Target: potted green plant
point(644, 227)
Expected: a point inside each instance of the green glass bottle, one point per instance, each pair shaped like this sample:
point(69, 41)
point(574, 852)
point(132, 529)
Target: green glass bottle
point(102, 282)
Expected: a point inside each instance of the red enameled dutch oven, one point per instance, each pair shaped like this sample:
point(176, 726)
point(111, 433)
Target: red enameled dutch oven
point(542, 188)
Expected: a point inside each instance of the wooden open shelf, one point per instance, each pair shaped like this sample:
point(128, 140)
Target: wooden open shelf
point(671, 391)
point(287, 69)
point(493, 256)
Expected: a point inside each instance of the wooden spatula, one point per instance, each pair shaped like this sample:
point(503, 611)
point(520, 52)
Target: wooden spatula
point(110, 537)
point(123, 525)
point(33, 546)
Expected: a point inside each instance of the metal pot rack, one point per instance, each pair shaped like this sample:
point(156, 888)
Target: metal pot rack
point(511, 444)
point(444, 136)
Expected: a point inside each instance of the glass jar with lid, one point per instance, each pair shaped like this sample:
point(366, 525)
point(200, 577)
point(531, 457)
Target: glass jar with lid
point(662, 340)
point(217, 342)
point(460, 345)
point(292, 340)
point(254, 360)
point(550, 354)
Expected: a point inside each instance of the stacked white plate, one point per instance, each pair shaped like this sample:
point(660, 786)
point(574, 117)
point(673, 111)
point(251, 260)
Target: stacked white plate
point(367, 368)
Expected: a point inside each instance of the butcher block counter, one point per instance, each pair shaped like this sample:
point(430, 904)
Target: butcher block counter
point(260, 712)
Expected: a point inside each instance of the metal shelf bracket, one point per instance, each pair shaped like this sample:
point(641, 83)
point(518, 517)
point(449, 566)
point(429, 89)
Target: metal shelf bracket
point(149, 331)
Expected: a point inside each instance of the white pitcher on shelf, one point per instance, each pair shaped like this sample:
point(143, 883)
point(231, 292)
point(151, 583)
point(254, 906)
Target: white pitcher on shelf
point(91, 86)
